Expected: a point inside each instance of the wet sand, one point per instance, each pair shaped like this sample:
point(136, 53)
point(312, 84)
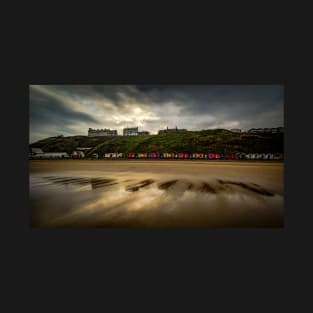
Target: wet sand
point(152, 193)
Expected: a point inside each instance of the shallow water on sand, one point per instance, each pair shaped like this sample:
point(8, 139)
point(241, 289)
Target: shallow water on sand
point(156, 194)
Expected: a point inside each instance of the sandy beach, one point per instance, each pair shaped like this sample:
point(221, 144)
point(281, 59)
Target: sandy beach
point(153, 193)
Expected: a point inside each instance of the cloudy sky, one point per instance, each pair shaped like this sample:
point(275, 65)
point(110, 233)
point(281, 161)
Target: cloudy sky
point(72, 109)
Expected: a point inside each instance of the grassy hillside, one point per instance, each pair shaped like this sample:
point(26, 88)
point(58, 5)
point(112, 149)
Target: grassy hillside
point(187, 141)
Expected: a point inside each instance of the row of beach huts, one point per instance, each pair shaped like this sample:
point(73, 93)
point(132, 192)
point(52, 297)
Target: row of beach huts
point(211, 156)
point(78, 154)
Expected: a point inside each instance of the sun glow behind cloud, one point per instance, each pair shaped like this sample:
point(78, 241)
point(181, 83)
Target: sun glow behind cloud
point(71, 109)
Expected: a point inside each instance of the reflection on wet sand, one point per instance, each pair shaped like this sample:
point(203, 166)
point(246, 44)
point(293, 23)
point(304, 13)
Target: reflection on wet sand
point(114, 198)
point(141, 184)
point(167, 184)
point(251, 187)
point(94, 182)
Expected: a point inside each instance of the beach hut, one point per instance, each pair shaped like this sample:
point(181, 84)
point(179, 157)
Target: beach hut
point(77, 155)
point(54, 155)
point(240, 156)
point(258, 156)
point(211, 156)
point(278, 156)
point(36, 151)
point(269, 156)
point(180, 155)
point(230, 156)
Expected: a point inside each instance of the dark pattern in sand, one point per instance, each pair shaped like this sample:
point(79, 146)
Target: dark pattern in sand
point(141, 195)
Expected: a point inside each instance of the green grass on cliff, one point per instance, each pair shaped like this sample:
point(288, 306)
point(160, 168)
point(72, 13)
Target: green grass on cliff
point(216, 140)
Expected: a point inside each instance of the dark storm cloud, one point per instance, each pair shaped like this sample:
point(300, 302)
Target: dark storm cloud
point(72, 109)
point(50, 114)
point(202, 98)
point(247, 105)
point(50, 111)
point(113, 93)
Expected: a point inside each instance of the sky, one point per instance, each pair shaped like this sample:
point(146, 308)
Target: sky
point(72, 109)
